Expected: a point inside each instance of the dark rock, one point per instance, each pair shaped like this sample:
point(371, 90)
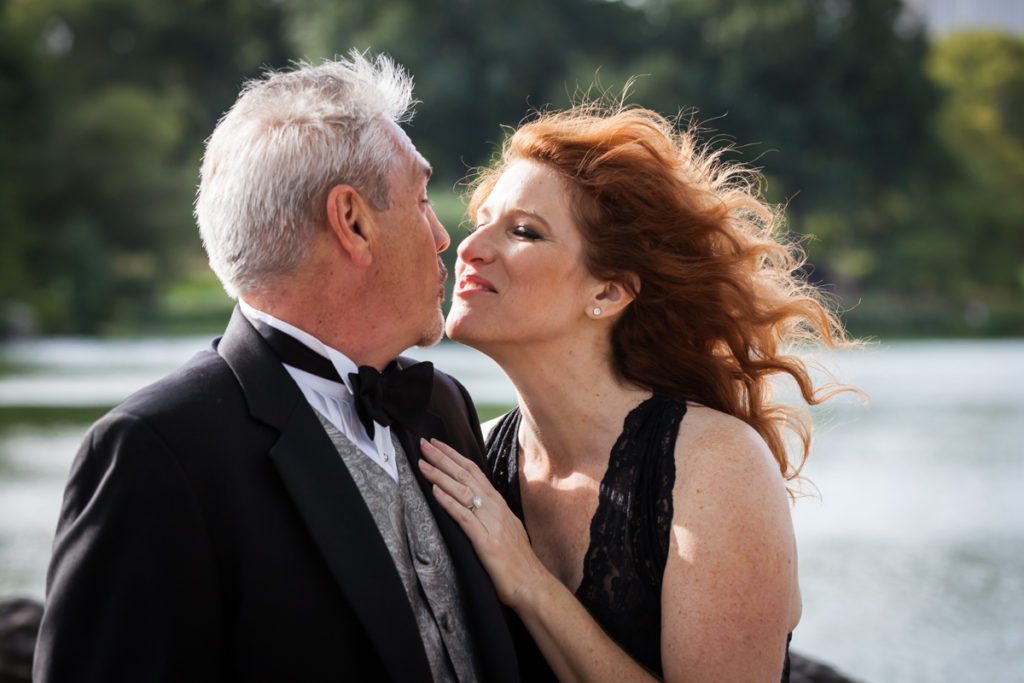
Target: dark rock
point(20, 618)
point(806, 670)
point(19, 627)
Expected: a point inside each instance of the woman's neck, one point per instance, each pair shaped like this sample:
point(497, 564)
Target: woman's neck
point(572, 403)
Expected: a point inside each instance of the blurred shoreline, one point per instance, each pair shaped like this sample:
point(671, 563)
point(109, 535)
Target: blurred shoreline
point(911, 558)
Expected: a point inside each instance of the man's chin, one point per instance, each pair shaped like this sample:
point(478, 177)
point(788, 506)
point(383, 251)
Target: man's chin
point(433, 335)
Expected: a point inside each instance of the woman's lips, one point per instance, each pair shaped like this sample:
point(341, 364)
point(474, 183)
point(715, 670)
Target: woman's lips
point(473, 283)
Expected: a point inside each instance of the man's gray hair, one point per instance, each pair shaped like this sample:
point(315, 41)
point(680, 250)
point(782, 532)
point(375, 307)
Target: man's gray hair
point(289, 138)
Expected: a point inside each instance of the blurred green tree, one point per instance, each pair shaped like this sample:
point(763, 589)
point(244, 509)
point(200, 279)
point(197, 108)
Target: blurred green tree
point(982, 124)
point(830, 96)
point(134, 87)
point(24, 109)
point(905, 174)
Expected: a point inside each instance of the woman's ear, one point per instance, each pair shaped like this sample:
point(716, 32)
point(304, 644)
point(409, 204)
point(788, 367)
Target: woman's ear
point(613, 297)
point(351, 223)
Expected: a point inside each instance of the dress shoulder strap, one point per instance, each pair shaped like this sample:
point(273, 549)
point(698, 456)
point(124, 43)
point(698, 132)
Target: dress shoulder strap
point(502, 452)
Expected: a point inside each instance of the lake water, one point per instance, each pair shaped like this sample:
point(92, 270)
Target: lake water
point(911, 560)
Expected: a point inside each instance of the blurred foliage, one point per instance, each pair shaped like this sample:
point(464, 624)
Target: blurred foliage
point(112, 99)
point(16, 417)
point(982, 125)
point(900, 158)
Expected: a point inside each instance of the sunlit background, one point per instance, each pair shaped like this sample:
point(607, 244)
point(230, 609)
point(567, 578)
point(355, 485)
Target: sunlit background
point(893, 132)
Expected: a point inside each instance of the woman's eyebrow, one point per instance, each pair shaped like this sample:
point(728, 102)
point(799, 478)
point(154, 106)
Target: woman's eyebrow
point(535, 216)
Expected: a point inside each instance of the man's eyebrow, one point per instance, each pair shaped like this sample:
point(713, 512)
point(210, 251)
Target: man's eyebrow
point(425, 170)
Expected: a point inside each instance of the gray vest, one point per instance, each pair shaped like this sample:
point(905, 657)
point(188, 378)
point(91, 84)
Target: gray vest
point(410, 532)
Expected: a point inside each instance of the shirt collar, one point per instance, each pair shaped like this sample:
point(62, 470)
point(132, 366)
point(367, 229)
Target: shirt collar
point(342, 363)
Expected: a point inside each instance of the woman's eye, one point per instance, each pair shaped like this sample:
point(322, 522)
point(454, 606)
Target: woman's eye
point(525, 232)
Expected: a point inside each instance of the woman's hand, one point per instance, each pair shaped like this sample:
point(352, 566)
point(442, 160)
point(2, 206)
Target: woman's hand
point(576, 647)
point(497, 534)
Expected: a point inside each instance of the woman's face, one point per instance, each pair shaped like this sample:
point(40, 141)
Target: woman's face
point(520, 277)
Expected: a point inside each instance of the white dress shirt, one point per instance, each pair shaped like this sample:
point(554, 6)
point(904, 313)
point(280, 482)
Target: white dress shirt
point(333, 400)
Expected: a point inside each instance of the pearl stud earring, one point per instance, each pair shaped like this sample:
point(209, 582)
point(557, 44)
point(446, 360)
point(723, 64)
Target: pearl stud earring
point(597, 311)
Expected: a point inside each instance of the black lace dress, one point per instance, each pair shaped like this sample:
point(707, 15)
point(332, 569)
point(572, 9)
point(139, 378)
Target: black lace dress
point(629, 534)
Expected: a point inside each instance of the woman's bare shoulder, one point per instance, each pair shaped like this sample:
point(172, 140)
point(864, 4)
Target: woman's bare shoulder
point(712, 444)
point(730, 581)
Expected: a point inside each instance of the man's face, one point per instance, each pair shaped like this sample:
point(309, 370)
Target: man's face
point(408, 273)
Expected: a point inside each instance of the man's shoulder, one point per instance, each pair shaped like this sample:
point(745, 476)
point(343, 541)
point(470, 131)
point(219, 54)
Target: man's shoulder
point(451, 403)
point(190, 390)
point(197, 416)
point(447, 390)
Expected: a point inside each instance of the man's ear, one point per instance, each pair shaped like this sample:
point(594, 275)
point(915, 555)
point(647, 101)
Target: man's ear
point(612, 297)
point(349, 219)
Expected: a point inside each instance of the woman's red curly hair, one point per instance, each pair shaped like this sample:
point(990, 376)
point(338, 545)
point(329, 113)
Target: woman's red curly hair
point(720, 306)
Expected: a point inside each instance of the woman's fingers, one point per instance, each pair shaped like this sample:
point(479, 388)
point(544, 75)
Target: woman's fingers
point(459, 459)
point(444, 462)
point(460, 469)
point(451, 461)
point(462, 514)
point(453, 480)
point(497, 534)
point(450, 494)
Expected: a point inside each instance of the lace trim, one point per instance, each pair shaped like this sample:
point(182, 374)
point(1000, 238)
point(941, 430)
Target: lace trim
point(629, 533)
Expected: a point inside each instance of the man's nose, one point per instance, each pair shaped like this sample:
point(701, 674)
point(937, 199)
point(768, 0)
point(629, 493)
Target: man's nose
point(441, 237)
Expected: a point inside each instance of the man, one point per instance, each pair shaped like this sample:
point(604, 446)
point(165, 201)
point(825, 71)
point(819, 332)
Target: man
point(259, 515)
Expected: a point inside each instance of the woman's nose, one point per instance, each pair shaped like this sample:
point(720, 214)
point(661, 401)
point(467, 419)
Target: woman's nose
point(476, 247)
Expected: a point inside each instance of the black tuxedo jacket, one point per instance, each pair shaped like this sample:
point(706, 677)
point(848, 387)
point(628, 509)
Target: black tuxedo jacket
point(211, 532)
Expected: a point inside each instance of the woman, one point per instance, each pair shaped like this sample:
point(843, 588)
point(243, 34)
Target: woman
point(633, 289)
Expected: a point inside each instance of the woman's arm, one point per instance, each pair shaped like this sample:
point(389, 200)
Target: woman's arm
point(730, 593)
point(576, 647)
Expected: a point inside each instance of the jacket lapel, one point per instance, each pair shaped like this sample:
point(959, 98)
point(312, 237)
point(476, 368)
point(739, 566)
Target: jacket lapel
point(431, 426)
point(329, 502)
point(487, 624)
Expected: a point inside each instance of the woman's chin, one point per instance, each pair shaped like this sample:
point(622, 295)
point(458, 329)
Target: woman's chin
point(457, 328)
point(460, 327)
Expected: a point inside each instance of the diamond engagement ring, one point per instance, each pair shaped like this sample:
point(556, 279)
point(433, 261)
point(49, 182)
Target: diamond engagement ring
point(476, 503)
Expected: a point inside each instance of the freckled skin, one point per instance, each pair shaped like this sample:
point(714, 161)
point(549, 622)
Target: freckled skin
point(730, 590)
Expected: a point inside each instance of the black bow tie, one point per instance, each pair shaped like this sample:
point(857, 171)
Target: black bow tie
point(394, 395)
